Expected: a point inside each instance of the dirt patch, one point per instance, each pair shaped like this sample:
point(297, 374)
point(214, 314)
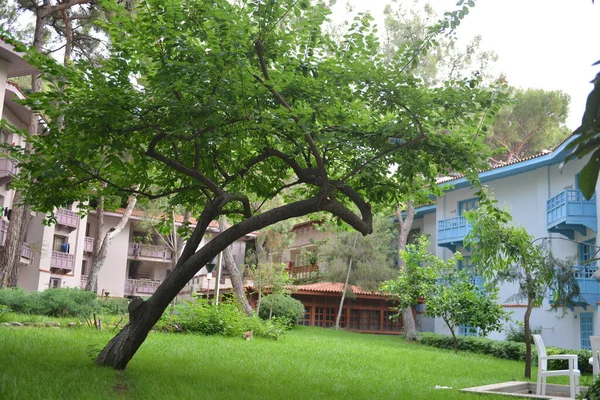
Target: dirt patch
point(121, 387)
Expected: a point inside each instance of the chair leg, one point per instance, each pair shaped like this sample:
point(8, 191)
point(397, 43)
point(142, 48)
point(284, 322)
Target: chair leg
point(544, 381)
point(572, 386)
point(538, 389)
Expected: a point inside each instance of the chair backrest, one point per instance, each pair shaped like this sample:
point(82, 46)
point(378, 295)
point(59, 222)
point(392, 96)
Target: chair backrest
point(595, 343)
point(541, 351)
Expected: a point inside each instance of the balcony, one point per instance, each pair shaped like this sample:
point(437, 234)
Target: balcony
point(451, 232)
point(149, 252)
point(140, 287)
point(67, 218)
point(569, 212)
point(26, 254)
point(88, 244)
point(83, 281)
point(8, 168)
point(302, 272)
point(62, 260)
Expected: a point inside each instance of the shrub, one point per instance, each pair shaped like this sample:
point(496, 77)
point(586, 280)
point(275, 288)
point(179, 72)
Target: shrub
point(200, 316)
point(503, 349)
point(68, 302)
point(516, 333)
point(63, 302)
point(284, 307)
point(113, 306)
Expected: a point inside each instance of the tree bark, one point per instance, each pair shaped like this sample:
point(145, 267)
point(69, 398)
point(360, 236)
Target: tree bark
point(144, 314)
point(102, 248)
point(234, 272)
point(404, 226)
point(339, 314)
point(527, 329)
point(10, 255)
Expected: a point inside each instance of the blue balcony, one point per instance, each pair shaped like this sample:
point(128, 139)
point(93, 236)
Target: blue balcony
point(589, 288)
point(452, 231)
point(569, 212)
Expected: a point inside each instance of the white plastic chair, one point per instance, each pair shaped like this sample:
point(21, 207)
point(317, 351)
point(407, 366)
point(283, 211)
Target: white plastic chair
point(595, 359)
point(543, 372)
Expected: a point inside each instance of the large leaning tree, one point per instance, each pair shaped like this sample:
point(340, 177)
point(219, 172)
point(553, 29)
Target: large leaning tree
point(218, 105)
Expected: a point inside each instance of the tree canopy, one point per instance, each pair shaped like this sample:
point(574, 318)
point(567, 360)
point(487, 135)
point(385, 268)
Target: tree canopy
point(219, 106)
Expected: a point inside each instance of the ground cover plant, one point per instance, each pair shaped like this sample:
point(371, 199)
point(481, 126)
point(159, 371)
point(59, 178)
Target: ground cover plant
point(308, 363)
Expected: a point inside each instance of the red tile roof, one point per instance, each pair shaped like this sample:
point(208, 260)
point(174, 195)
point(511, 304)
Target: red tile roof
point(333, 287)
point(515, 161)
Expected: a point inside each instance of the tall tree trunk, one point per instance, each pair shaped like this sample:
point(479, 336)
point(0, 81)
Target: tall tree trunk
point(144, 314)
point(350, 261)
point(404, 226)
point(10, 255)
point(234, 272)
point(527, 329)
point(102, 248)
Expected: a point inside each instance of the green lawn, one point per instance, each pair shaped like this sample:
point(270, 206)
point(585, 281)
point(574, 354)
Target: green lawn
point(309, 363)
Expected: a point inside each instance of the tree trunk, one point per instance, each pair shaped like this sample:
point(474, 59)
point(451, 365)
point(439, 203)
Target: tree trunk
point(454, 340)
point(404, 226)
point(102, 251)
point(10, 255)
point(527, 329)
point(144, 314)
point(234, 272)
point(339, 314)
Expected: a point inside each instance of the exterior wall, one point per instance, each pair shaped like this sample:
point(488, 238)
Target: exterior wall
point(525, 195)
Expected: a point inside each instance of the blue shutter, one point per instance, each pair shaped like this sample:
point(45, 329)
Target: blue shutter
point(586, 329)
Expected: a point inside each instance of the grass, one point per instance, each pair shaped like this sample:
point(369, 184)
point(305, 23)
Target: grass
point(309, 363)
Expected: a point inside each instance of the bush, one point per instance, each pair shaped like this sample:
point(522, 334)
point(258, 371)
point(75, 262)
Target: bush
point(516, 333)
point(53, 302)
point(200, 316)
point(504, 349)
point(113, 306)
point(284, 308)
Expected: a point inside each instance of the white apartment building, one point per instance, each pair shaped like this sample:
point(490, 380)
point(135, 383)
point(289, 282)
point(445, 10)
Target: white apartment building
point(548, 203)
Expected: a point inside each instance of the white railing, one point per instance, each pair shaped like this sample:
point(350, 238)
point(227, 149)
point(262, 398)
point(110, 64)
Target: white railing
point(140, 286)
point(138, 250)
point(67, 218)
point(88, 244)
point(62, 260)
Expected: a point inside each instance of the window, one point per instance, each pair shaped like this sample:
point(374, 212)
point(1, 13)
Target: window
point(467, 330)
point(467, 205)
point(391, 324)
point(587, 252)
point(306, 318)
point(60, 244)
point(54, 283)
point(465, 264)
point(325, 316)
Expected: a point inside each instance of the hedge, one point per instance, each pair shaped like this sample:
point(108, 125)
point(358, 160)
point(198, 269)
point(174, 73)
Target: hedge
point(504, 349)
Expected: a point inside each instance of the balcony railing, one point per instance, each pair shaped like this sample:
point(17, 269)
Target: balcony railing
point(140, 286)
point(157, 253)
point(83, 281)
point(302, 271)
point(27, 253)
point(62, 260)
point(569, 211)
point(67, 218)
point(8, 168)
point(3, 231)
point(589, 288)
point(88, 244)
point(452, 231)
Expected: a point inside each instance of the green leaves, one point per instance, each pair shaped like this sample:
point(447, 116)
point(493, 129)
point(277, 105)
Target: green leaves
point(588, 177)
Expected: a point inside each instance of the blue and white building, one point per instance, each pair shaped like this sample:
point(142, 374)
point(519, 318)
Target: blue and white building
point(548, 203)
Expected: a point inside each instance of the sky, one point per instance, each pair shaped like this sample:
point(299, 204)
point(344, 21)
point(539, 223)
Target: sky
point(542, 44)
